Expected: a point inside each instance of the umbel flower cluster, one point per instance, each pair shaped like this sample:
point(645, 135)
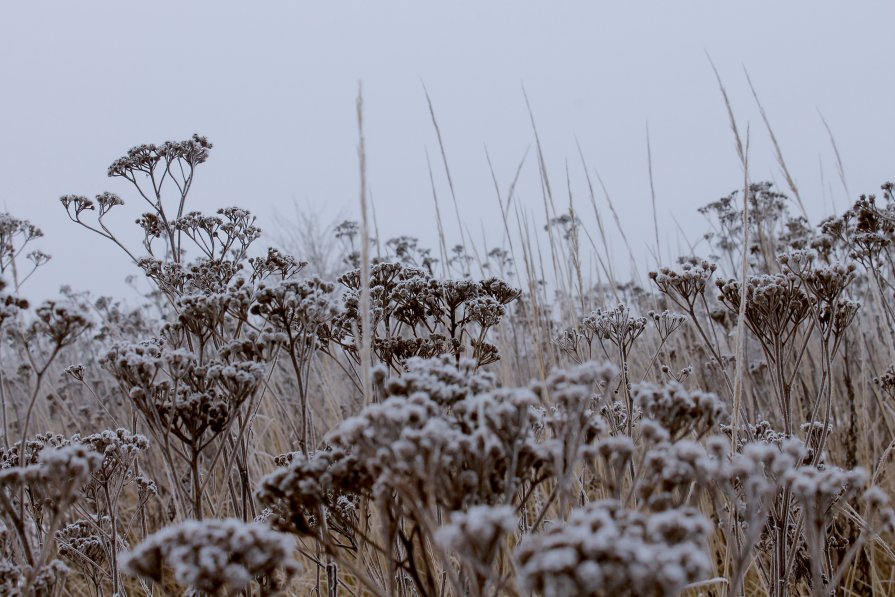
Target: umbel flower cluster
point(262, 424)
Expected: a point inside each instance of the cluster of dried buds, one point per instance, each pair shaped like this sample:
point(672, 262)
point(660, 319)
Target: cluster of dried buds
point(415, 314)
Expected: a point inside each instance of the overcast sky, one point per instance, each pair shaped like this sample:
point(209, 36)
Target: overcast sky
point(273, 86)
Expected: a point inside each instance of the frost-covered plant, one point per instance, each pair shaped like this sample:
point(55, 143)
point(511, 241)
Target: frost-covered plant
point(865, 233)
point(477, 537)
point(216, 556)
point(442, 440)
point(456, 474)
point(15, 236)
point(84, 545)
point(301, 311)
point(679, 411)
point(770, 227)
point(417, 315)
point(435, 452)
point(607, 549)
point(34, 500)
point(180, 397)
point(572, 421)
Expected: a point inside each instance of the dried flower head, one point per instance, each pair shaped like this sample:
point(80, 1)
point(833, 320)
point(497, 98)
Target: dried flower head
point(215, 556)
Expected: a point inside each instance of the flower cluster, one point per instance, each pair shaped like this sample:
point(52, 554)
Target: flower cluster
point(176, 394)
point(679, 411)
point(415, 314)
point(216, 556)
point(607, 549)
point(685, 287)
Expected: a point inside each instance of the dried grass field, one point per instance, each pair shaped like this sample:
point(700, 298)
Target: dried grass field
point(389, 419)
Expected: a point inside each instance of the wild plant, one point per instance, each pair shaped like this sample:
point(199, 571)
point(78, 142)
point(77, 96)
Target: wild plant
point(217, 557)
point(35, 498)
point(555, 440)
point(416, 315)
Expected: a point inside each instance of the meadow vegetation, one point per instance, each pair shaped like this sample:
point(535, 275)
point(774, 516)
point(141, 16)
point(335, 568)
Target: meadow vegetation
point(389, 420)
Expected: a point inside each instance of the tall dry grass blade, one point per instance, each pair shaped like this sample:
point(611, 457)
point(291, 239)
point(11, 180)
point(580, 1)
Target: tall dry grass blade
point(375, 226)
point(741, 314)
point(593, 201)
point(635, 272)
point(442, 244)
point(541, 162)
point(507, 368)
point(839, 168)
point(789, 179)
point(475, 252)
point(652, 190)
point(504, 210)
point(511, 192)
point(600, 262)
point(532, 307)
point(447, 169)
point(573, 241)
point(366, 357)
point(690, 246)
point(742, 153)
point(733, 123)
point(547, 198)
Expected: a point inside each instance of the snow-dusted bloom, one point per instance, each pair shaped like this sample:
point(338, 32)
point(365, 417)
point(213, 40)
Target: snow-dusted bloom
point(214, 556)
point(606, 549)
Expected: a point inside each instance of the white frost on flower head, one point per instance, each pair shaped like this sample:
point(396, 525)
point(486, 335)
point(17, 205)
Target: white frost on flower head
point(441, 379)
point(475, 532)
point(572, 420)
point(678, 410)
point(605, 548)
point(444, 435)
point(214, 555)
point(475, 538)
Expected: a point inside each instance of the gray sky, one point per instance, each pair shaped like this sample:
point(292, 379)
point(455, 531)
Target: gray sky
point(273, 86)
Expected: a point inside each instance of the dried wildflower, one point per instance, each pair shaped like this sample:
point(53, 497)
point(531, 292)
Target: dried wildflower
point(227, 235)
point(16, 456)
point(144, 158)
point(75, 371)
point(77, 204)
point(616, 325)
point(775, 304)
point(886, 382)
point(298, 308)
point(60, 324)
point(178, 395)
point(687, 286)
point(819, 488)
point(414, 314)
point(183, 396)
point(767, 211)
point(119, 449)
point(476, 537)
point(83, 545)
point(15, 233)
point(306, 489)
point(666, 323)
point(275, 263)
point(572, 417)
point(607, 549)
point(216, 556)
point(10, 305)
point(678, 410)
point(671, 471)
point(50, 486)
point(441, 380)
point(48, 580)
point(881, 514)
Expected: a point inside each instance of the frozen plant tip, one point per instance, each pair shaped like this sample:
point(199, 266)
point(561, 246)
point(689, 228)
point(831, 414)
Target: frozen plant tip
point(216, 556)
